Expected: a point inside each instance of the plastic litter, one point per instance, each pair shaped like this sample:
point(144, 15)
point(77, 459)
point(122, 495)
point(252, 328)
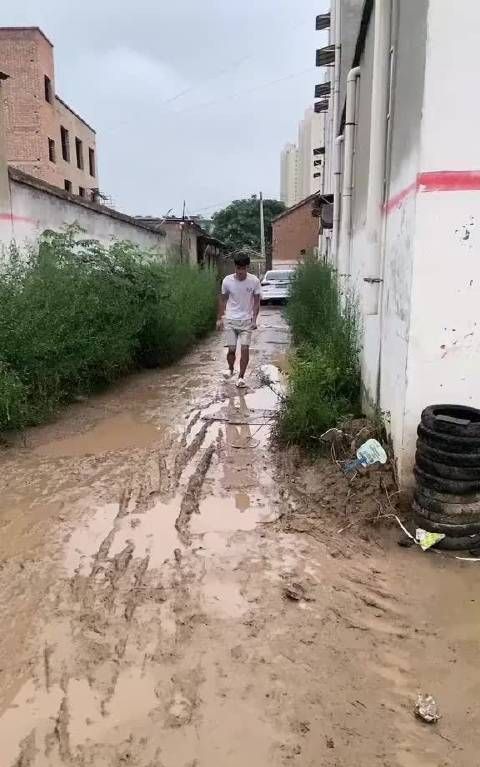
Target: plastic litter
point(426, 540)
point(368, 454)
point(426, 709)
point(423, 538)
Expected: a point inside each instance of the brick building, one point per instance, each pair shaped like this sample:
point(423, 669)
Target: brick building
point(44, 136)
point(295, 232)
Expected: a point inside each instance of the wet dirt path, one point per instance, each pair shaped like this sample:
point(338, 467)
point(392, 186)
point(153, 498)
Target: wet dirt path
point(142, 576)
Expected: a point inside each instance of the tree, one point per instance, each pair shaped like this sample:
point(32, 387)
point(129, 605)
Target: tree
point(238, 225)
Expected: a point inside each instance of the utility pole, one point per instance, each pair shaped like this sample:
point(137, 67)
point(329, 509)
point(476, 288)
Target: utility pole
point(182, 226)
point(262, 231)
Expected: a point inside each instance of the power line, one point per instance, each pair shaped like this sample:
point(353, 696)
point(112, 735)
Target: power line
point(232, 96)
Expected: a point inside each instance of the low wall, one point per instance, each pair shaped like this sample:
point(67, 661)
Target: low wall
point(35, 206)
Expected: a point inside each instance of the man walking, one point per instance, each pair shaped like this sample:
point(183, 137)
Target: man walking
point(238, 309)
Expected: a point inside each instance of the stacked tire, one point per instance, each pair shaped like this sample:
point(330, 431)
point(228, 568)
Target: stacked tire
point(447, 472)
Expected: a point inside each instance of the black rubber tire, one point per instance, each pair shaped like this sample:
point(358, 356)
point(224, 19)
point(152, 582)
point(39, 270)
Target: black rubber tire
point(467, 423)
point(442, 485)
point(447, 442)
point(450, 459)
point(450, 512)
point(443, 470)
point(471, 542)
point(443, 497)
point(452, 529)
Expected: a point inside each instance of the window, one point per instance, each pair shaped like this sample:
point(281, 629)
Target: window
point(81, 191)
point(91, 161)
point(68, 185)
point(65, 143)
point(79, 153)
point(51, 150)
point(48, 89)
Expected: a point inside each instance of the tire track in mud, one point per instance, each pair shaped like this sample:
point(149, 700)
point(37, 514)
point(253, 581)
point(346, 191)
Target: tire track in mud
point(191, 499)
point(101, 605)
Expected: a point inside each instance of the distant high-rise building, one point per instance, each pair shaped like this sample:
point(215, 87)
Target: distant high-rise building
point(310, 137)
point(289, 191)
point(301, 171)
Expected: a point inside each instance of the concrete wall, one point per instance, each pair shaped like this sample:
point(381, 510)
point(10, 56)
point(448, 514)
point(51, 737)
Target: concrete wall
point(294, 231)
point(351, 14)
point(34, 207)
point(181, 248)
point(444, 350)
point(420, 326)
point(400, 224)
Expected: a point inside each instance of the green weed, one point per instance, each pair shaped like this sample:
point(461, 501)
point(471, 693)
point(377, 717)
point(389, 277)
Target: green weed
point(324, 381)
point(76, 315)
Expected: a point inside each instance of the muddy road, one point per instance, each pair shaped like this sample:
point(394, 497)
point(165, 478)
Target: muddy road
point(143, 568)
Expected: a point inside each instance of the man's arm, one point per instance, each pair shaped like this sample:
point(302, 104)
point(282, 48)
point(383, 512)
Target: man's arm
point(222, 305)
point(256, 304)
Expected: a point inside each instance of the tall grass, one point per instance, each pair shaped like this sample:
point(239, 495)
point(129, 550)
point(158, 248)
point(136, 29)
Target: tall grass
point(76, 315)
point(324, 382)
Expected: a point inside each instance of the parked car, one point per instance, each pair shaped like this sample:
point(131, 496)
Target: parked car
point(276, 285)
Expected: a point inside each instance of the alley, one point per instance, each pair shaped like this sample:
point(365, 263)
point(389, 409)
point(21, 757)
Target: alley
point(143, 569)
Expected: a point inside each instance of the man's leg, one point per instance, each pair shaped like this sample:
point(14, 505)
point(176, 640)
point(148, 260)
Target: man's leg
point(244, 359)
point(231, 358)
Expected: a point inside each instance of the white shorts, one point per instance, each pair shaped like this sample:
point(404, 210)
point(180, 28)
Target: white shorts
point(237, 330)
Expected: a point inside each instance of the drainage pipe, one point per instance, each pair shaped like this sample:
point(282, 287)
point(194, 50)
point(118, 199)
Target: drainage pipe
point(337, 180)
point(377, 158)
point(347, 191)
point(336, 77)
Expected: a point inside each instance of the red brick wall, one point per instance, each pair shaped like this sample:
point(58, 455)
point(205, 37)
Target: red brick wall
point(295, 231)
point(27, 56)
point(22, 104)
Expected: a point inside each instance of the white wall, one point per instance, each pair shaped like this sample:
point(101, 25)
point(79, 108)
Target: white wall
point(444, 349)
point(34, 209)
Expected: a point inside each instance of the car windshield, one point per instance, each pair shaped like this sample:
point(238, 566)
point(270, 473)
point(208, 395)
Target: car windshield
point(284, 276)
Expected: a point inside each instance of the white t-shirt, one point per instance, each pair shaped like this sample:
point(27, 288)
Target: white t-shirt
point(240, 296)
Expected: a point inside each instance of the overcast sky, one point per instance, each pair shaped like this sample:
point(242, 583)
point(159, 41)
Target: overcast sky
point(180, 92)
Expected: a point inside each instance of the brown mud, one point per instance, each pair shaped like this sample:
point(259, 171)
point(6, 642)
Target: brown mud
point(148, 540)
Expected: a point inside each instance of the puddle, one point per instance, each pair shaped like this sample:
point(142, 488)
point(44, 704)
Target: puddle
point(221, 514)
point(133, 700)
point(86, 539)
point(153, 533)
point(32, 709)
point(262, 399)
point(117, 433)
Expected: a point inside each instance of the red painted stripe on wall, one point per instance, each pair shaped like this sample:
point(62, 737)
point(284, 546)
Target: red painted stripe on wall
point(436, 181)
point(12, 217)
point(449, 181)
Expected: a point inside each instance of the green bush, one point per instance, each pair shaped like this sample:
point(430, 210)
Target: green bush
point(324, 381)
point(76, 315)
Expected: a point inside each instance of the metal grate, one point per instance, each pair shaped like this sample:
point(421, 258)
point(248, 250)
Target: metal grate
point(323, 89)
point(322, 21)
point(321, 106)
